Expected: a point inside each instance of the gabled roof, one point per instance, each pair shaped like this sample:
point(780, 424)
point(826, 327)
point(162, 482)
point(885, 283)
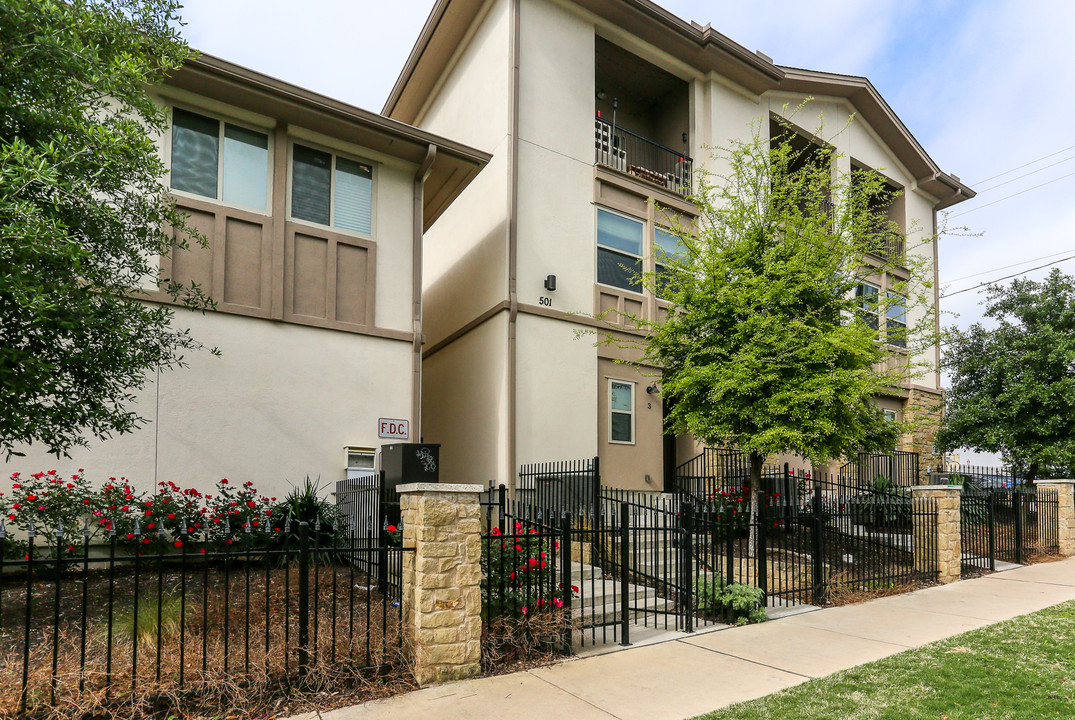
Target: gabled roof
point(455, 166)
point(699, 46)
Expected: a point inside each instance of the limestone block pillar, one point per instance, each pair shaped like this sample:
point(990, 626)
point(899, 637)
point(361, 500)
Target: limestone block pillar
point(1065, 492)
point(442, 579)
point(945, 537)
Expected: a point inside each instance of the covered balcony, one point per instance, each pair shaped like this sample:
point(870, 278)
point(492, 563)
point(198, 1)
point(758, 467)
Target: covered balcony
point(643, 116)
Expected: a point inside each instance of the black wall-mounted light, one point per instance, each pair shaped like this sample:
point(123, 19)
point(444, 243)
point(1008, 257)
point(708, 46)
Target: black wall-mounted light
point(550, 282)
point(653, 389)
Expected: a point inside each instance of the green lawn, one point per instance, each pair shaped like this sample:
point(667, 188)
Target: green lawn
point(1022, 668)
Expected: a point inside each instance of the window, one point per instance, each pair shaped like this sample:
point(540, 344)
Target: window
point(331, 190)
point(619, 251)
point(219, 160)
point(896, 320)
point(890, 415)
point(666, 246)
point(866, 296)
point(621, 402)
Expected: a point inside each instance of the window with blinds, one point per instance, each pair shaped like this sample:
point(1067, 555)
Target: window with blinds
point(331, 190)
point(219, 160)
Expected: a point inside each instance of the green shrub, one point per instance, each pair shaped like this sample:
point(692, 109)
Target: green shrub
point(733, 603)
point(519, 577)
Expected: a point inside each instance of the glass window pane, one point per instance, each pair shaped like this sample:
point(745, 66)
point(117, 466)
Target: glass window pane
point(867, 301)
point(311, 184)
point(195, 149)
point(618, 232)
point(621, 427)
point(620, 396)
point(354, 196)
point(622, 271)
point(246, 167)
point(896, 321)
point(897, 308)
point(668, 246)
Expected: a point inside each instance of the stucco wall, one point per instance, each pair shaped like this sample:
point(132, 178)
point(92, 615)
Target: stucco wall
point(281, 402)
point(464, 404)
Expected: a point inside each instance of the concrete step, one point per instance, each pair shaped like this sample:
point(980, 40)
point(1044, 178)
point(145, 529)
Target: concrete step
point(609, 612)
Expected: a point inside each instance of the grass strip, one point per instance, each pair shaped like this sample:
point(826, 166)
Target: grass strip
point(1019, 669)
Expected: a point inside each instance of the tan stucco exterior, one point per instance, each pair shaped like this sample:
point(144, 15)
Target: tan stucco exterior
point(516, 78)
point(318, 328)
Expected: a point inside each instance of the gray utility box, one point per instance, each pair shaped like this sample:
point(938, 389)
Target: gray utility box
point(405, 463)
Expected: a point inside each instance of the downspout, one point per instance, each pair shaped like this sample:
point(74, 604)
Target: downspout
point(937, 296)
point(513, 246)
point(417, 224)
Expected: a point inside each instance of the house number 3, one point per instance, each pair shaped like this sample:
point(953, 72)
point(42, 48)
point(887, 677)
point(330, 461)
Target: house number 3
point(546, 301)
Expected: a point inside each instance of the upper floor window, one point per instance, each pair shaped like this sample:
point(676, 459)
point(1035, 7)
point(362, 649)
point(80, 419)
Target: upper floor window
point(866, 296)
point(218, 160)
point(331, 190)
point(619, 251)
point(896, 320)
point(667, 246)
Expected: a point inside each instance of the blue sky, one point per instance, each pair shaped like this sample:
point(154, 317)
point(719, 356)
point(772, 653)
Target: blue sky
point(984, 85)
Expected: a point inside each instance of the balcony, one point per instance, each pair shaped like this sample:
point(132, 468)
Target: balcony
point(630, 153)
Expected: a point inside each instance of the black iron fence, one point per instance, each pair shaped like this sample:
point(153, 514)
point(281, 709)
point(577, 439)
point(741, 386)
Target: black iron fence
point(571, 486)
point(717, 472)
point(881, 470)
point(665, 562)
point(633, 154)
point(145, 622)
point(1007, 524)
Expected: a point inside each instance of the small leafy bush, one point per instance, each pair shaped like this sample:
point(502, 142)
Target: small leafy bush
point(733, 603)
point(519, 577)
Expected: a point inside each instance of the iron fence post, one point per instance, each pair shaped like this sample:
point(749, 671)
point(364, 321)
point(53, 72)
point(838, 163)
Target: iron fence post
point(686, 572)
point(729, 546)
point(1017, 509)
point(502, 503)
point(598, 511)
point(992, 510)
point(816, 549)
point(304, 598)
point(625, 612)
point(565, 576)
point(760, 559)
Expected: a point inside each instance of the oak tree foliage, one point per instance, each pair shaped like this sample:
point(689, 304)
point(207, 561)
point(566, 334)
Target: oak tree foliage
point(84, 216)
point(1013, 383)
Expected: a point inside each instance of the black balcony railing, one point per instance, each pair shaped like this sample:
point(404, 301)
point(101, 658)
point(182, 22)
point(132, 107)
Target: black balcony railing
point(633, 154)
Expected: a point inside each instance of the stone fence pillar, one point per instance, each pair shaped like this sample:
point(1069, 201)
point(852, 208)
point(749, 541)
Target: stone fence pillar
point(442, 579)
point(946, 535)
point(1065, 492)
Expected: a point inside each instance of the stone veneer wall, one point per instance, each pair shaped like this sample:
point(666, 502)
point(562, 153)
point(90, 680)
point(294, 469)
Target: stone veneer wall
point(926, 410)
point(948, 543)
point(442, 580)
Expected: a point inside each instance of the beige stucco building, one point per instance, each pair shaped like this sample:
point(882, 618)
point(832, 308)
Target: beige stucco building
point(592, 111)
point(314, 212)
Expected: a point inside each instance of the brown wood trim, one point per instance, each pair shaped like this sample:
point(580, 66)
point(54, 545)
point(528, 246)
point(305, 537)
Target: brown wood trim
point(333, 239)
point(279, 212)
point(501, 306)
point(642, 188)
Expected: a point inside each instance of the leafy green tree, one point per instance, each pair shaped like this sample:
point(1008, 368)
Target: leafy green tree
point(766, 347)
point(84, 216)
point(1013, 385)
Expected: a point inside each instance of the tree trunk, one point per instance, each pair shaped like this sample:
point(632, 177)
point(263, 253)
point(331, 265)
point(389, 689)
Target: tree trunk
point(756, 461)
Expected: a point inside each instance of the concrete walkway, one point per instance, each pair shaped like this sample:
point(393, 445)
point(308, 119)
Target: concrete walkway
point(701, 672)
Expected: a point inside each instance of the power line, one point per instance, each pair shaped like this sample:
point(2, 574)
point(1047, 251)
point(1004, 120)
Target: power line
point(1024, 175)
point(1020, 167)
point(1005, 267)
point(1007, 277)
point(1008, 197)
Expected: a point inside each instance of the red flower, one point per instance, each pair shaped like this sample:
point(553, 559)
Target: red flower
point(171, 516)
point(11, 516)
point(178, 543)
point(130, 536)
point(145, 541)
point(150, 526)
point(15, 486)
point(533, 562)
point(391, 528)
point(202, 550)
point(148, 512)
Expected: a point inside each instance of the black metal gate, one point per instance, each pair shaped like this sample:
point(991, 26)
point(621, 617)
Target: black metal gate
point(1009, 524)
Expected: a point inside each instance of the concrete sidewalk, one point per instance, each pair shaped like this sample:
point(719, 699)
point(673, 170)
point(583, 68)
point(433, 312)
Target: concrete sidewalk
point(697, 673)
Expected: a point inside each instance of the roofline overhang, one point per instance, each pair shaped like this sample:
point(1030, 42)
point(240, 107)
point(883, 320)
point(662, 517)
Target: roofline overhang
point(226, 82)
point(868, 103)
point(699, 46)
